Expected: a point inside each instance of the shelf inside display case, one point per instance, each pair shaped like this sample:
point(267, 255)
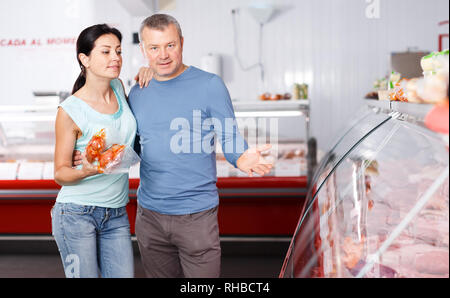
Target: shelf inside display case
point(379, 202)
point(415, 112)
point(384, 105)
point(27, 134)
point(287, 108)
point(290, 155)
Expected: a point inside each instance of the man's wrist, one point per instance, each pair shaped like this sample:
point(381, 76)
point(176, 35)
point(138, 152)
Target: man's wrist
point(239, 161)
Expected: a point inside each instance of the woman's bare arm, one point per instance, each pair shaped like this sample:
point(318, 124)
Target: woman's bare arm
point(66, 135)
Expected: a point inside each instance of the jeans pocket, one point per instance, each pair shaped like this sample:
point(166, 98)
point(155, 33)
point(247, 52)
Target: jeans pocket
point(121, 211)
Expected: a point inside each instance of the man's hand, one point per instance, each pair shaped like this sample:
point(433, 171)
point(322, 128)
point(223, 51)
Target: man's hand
point(252, 162)
point(77, 159)
point(144, 76)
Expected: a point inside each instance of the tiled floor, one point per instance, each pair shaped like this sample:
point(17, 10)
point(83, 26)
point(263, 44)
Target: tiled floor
point(49, 266)
point(20, 260)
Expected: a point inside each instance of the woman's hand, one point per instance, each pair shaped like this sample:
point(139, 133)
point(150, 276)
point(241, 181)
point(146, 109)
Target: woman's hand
point(144, 76)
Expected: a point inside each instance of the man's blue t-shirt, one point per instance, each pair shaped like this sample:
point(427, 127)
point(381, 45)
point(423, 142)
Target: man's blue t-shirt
point(177, 121)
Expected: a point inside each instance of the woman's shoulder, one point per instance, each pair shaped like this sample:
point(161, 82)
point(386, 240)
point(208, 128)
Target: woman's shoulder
point(75, 108)
point(69, 102)
point(117, 84)
point(119, 87)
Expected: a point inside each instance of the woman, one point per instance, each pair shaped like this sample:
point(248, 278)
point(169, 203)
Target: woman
point(89, 220)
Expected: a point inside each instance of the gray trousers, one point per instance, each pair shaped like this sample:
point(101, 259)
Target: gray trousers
point(179, 245)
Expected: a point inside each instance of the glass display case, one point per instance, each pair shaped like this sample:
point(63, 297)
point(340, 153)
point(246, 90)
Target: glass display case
point(27, 137)
point(27, 142)
point(264, 205)
point(272, 122)
point(268, 206)
point(379, 201)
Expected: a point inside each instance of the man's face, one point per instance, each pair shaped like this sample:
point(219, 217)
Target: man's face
point(164, 51)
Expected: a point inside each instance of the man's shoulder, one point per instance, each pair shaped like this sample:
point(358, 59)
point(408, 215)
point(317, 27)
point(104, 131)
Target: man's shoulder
point(136, 91)
point(203, 75)
point(135, 88)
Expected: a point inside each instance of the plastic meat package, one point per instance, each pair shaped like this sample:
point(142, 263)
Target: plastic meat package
point(105, 151)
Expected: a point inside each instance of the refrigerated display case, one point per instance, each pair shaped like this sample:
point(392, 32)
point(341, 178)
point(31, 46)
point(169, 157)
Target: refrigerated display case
point(379, 201)
point(26, 133)
point(268, 206)
point(258, 206)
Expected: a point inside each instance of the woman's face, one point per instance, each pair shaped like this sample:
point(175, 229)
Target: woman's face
point(105, 59)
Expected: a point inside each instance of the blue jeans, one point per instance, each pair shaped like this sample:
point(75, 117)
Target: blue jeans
point(93, 240)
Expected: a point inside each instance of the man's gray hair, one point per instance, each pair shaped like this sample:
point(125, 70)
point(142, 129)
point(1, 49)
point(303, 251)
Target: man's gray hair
point(159, 22)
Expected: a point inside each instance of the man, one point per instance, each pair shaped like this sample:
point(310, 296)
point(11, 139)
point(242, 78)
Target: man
point(178, 114)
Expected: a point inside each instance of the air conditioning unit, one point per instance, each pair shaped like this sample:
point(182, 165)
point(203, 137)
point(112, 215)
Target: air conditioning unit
point(141, 8)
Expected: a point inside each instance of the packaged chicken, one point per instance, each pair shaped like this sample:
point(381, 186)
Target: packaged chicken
point(110, 157)
point(95, 146)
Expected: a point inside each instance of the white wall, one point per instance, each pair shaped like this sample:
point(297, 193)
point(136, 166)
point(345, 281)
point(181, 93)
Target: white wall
point(330, 44)
point(24, 69)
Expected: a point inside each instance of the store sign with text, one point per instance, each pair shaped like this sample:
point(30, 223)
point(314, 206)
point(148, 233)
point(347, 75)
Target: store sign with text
point(37, 42)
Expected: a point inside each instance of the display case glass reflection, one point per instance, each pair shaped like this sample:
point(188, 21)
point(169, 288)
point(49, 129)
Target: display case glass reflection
point(380, 206)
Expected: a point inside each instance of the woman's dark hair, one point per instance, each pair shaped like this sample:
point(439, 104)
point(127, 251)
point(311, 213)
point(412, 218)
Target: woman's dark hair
point(85, 44)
